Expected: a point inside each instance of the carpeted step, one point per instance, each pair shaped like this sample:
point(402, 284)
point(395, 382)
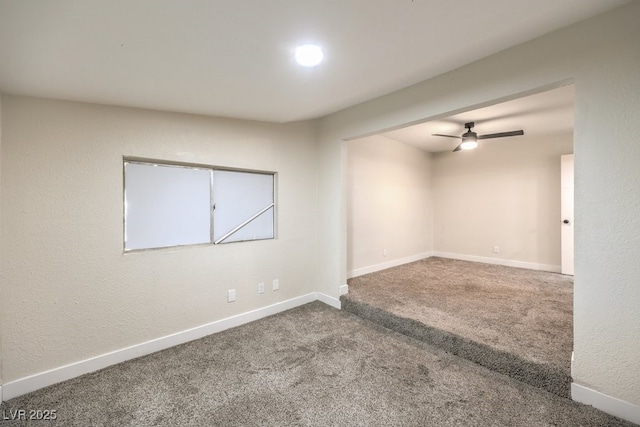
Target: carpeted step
point(544, 376)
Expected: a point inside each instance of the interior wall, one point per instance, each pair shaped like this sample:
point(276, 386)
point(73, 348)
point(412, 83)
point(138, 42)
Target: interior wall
point(601, 57)
point(69, 292)
point(390, 211)
point(505, 193)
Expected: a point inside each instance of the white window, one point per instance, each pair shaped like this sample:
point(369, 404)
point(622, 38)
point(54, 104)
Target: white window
point(243, 206)
point(173, 205)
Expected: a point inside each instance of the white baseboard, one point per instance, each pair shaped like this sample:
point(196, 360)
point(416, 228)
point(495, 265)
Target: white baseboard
point(330, 301)
point(499, 261)
point(616, 407)
point(393, 263)
point(573, 362)
point(344, 289)
point(43, 379)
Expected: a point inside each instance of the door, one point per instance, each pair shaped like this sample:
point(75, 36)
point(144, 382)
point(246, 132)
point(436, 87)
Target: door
point(566, 209)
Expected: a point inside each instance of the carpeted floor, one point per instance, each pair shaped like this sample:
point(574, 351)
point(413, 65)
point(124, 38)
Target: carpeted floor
point(518, 322)
point(310, 366)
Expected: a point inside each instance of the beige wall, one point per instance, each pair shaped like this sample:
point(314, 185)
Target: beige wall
point(506, 193)
point(602, 57)
point(389, 193)
point(69, 293)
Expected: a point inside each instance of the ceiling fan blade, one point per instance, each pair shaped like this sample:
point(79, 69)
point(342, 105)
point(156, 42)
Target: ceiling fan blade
point(501, 134)
point(458, 148)
point(448, 136)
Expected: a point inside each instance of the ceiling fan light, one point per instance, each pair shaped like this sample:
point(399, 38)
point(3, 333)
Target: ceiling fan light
point(469, 144)
point(469, 141)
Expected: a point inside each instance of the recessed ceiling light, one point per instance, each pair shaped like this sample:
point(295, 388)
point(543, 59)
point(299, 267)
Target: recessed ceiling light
point(309, 55)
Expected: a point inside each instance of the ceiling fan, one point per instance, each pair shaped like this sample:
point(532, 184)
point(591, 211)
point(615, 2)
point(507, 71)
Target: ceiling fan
point(470, 138)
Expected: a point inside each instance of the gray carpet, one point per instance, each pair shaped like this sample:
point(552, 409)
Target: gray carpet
point(515, 321)
point(310, 366)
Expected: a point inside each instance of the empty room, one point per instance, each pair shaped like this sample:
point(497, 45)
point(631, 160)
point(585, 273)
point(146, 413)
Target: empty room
point(238, 213)
point(429, 223)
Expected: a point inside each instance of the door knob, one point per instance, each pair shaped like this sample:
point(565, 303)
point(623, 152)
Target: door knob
point(566, 221)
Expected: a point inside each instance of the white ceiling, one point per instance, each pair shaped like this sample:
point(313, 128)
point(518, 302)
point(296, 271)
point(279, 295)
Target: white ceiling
point(544, 113)
point(234, 58)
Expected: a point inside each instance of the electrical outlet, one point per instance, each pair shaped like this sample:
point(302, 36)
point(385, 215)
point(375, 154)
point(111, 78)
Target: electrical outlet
point(384, 252)
point(231, 295)
point(276, 284)
point(496, 249)
point(261, 288)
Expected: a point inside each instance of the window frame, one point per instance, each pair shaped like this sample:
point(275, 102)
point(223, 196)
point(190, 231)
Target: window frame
point(212, 202)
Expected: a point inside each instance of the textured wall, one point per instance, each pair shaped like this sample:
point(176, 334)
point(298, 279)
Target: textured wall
point(602, 57)
point(69, 292)
point(505, 193)
point(389, 194)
